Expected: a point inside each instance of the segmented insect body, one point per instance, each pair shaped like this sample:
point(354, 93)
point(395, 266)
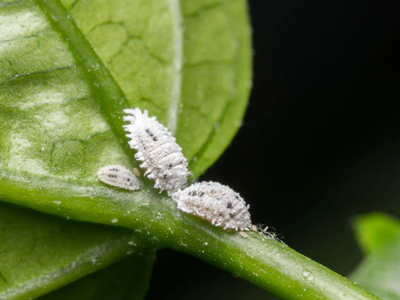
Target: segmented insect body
point(216, 203)
point(162, 157)
point(119, 176)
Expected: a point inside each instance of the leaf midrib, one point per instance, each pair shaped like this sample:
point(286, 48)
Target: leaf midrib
point(109, 95)
point(177, 64)
point(105, 89)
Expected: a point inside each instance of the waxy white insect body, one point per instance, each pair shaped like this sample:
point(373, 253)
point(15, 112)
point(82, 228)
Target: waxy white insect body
point(119, 176)
point(162, 157)
point(216, 203)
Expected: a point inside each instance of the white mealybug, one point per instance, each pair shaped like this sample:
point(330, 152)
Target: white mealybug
point(157, 148)
point(119, 176)
point(216, 203)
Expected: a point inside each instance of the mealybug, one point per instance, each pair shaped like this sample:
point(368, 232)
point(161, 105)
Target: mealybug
point(216, 203)
point(156, 147)
point(136, 172)
point(119, 176)
point(243, 234)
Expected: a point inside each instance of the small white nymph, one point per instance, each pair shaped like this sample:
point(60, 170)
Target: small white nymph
point(156, 147)
point(216, 203)
point(119, 176)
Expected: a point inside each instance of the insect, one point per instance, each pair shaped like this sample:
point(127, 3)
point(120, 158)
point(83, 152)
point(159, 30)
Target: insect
point(216, 203)
point(136, 172)
point(162, 157)
point(119, 176)
point(243, 234)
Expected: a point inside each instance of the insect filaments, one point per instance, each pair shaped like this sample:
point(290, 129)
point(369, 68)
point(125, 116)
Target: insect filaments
point(215, 203)
point(156, 147)
point(119, 176)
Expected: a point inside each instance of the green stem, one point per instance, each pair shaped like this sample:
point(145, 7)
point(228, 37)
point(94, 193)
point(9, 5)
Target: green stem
point(264, 262)
point(268, 264)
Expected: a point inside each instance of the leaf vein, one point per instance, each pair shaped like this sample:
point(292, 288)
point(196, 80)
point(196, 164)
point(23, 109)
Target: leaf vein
point(202, 9)
point(177, 65)
point(35, 73)
point(24, 37)
point(11, 3)
point(73, 99)
point(2, 277)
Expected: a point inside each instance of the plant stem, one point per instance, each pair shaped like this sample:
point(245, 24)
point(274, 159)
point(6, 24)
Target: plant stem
point(269, 264)
point(262, 261)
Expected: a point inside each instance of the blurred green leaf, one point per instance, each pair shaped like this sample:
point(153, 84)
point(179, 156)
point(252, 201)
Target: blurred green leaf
point(375, 230)
point(127, 279)
point(379, 272)
point(379, 236)
point(40, 253)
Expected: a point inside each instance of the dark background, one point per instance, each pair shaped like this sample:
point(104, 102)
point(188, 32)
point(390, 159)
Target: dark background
point(320, 142)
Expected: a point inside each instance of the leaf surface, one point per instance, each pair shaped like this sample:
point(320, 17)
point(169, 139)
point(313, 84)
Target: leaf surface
point(68, 70)
point(167, 58)
point(40, 253)
point(378, 235)
point(375, 230)
point(127, 279)
point(379, 272)
point(56, 127)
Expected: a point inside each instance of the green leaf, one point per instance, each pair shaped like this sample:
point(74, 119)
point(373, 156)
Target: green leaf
point(40, 253)
point(379, 236)
point(166, 56)
point(208, 63)
point(379, 272)
point(60, 118)
point(375, 230)
point(67, 75)
point(127, 279)
point(68, 71)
